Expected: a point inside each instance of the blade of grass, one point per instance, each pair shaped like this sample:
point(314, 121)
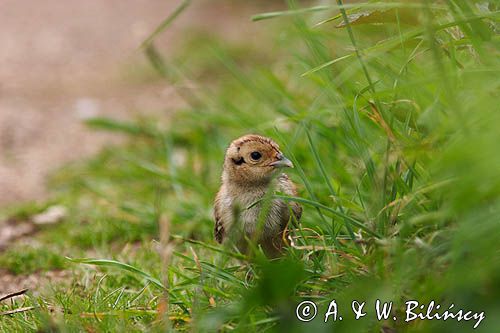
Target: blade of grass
point(166, 23)
point(269, 15)
point(120, 265)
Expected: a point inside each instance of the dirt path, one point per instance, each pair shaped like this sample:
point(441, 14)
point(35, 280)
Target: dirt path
point(61, 61)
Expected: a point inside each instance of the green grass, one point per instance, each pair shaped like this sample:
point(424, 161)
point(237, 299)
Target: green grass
point(393, 128)
point(29, 259)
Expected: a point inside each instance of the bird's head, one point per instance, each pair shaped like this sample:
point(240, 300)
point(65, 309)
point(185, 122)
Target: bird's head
point(253, 159)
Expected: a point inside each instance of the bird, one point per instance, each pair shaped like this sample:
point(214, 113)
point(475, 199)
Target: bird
point(252, 168)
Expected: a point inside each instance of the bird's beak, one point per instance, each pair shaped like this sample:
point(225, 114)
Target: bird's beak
point(282, 162)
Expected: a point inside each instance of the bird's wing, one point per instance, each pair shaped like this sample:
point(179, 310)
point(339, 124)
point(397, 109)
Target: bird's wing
point(289, 188)
point(219, 225)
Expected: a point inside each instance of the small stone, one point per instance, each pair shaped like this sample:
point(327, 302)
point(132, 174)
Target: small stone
point(53, 214)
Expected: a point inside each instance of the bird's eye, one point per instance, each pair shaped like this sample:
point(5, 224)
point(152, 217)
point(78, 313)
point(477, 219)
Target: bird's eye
point(255, 155)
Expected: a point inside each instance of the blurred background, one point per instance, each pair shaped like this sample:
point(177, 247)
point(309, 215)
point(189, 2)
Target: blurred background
point(64, 62)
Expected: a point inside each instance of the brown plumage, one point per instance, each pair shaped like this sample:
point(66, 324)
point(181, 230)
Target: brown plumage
point(251, 165)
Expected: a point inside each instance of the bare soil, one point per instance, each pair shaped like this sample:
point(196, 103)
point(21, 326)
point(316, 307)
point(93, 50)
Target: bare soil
point(35, 282)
